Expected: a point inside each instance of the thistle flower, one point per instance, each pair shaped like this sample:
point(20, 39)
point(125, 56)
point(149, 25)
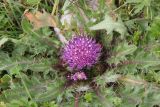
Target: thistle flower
point(81, 51)
point(78, 76)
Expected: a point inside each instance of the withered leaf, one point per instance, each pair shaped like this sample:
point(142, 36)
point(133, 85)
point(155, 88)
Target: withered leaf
point(40, 19)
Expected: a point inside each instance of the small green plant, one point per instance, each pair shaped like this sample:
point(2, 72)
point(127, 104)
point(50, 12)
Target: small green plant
point(79, 53)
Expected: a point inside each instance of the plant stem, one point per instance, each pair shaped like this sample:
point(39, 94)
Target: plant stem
point(76, 100)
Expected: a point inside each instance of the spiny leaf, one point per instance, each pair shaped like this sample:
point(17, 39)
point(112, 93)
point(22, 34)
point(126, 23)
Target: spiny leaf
point(14, 65)
point(139, 92)
point(140, 4)
point(49, 95)
point(146, 60)
point(108, 77)
point(120, 52)
point(110, 25)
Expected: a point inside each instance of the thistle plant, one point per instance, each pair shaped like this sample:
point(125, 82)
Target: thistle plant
point(118, 66)
point(81, 51)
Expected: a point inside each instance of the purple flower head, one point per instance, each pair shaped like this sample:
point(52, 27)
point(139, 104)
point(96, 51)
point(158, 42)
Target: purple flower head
point(78, 76)
point(81, 51)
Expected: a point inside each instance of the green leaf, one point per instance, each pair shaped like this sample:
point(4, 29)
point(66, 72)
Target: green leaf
point(3, 40)
point(6, 78)
point(22, 102)
point(139, 92)
point(32, 2)
point(107, 77)
point(146, 60)
point(26, 26)
point(49, 95)
point(154, 30)
point(5, 81)
point(140, 4)
point(66, 4)
point(110, 25)
point(14, 65)
point(15, 70)
point(88, 97)
point(120, 52)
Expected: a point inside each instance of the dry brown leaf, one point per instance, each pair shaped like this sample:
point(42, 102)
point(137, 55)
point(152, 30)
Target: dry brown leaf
point(40, 19)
